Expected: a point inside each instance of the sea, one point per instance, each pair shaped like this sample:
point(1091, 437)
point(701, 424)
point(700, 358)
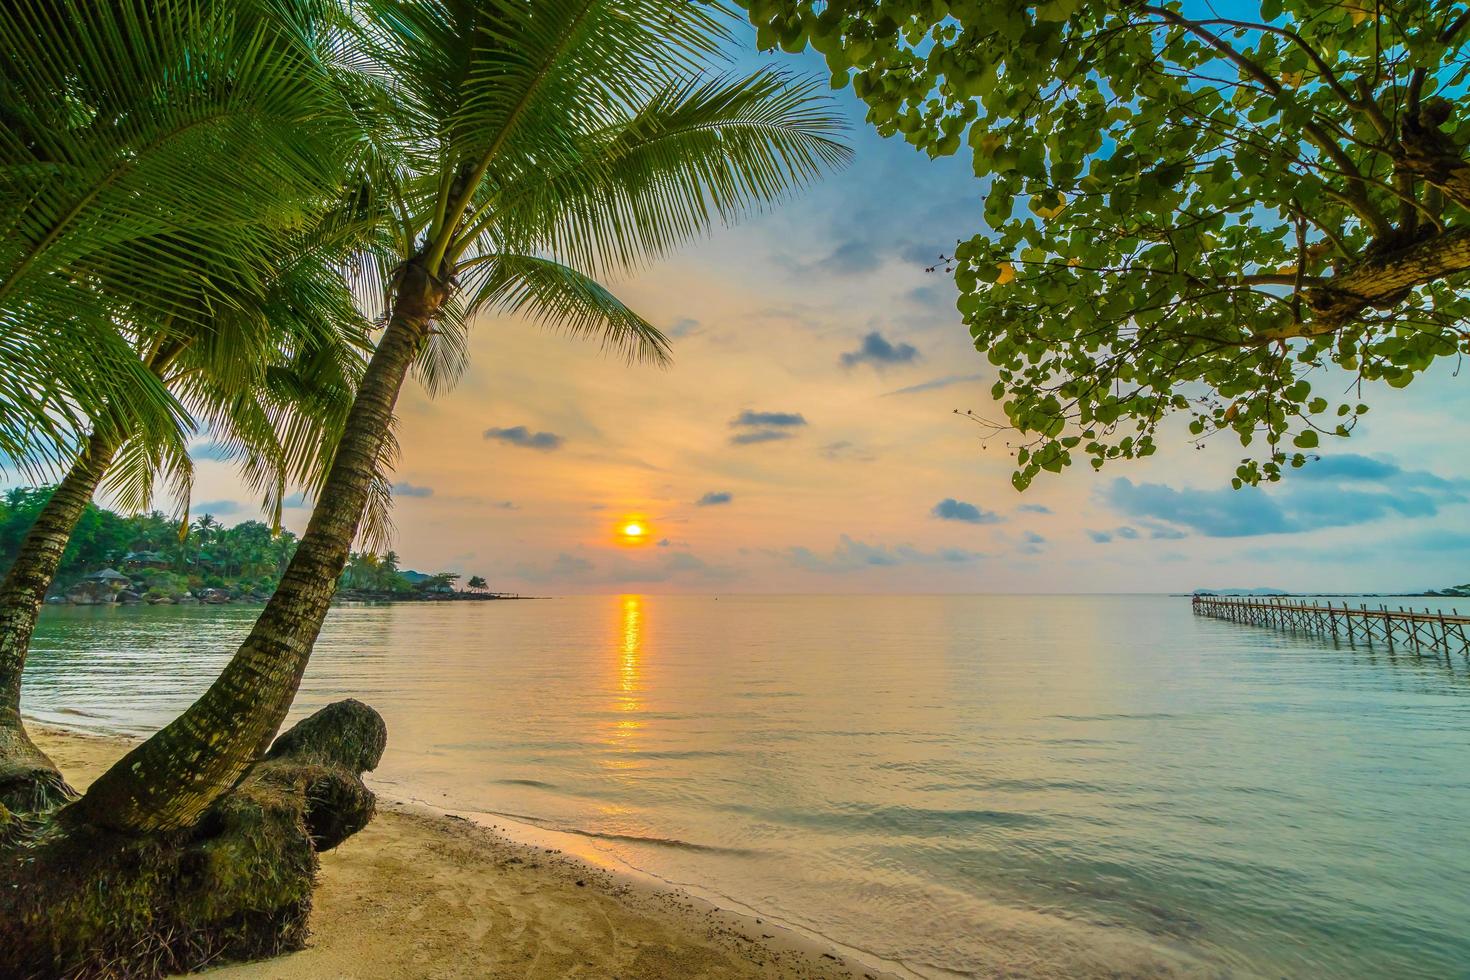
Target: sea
point(952, 786)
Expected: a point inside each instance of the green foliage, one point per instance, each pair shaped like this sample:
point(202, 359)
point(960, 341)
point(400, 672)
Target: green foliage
point(478, 583)
point(147, 547)
point(1232, 220)
point(532, 147)
point(179, 182)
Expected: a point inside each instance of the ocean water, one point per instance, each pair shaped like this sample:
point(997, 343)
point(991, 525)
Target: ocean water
point(959, 785)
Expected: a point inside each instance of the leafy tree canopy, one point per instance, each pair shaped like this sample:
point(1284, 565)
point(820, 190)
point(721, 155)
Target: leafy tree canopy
point(246, 555)
point(1238, 211)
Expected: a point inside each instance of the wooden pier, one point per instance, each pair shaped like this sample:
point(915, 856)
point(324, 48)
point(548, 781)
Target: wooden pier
point(1423, 633)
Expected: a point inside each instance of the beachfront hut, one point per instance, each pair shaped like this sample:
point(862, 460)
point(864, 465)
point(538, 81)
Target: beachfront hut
point(145, 559)
point(109, 576)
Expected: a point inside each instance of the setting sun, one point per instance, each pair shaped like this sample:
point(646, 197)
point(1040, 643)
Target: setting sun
point(633, 531)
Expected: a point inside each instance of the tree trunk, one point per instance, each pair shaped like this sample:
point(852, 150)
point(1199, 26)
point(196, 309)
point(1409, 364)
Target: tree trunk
point(28, 779)
point(171, 779)
point(82, 901)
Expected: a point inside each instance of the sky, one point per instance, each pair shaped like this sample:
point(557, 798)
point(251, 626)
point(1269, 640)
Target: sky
point(804, 440)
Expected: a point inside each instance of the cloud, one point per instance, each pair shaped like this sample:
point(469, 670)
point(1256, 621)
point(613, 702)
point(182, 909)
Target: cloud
point(950, 509)
point(764, 435)
point(214, 507)
point(563, 566)
point(622, 569)
point(938, 296)
point(920, 254)
point(846, 450)
point(683, 327)
point(664, 542)
point(505, 505)
point(1361, 550)
point(1124, 533)
point(1031, 543)
point(296, 500)
point(1033, 509)
point(765, 426)
point(935, 384)
point(1353, 468)
point(851, 258)
point(1340, 491)
point(785, 419)
point(714, 497)
point(851, 555)
point(521, 436)
point(879, 352)
point(406, 489)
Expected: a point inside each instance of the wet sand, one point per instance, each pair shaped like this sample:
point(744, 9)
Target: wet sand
point(425, 894)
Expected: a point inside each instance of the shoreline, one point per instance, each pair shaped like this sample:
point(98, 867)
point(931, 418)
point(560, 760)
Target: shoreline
point(424, 891)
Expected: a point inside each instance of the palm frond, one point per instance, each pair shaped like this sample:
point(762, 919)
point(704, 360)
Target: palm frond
point(696, 153)
point(560, 297)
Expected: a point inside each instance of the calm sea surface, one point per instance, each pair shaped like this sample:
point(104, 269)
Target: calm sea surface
point(1023, 786)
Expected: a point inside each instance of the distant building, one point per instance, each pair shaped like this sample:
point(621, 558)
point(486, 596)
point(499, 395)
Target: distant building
point(145, 559)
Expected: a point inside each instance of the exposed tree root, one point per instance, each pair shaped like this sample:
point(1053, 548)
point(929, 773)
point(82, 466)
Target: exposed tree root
point(79, 901)
point(29, 780)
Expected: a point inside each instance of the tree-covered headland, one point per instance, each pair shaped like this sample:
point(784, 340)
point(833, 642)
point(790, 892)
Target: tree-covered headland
point(158, 561)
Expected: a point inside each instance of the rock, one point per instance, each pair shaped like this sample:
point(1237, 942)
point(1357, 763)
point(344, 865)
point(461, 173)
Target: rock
point(128, 596)
point(214, 596)
point(89, 593)
point(161, 600)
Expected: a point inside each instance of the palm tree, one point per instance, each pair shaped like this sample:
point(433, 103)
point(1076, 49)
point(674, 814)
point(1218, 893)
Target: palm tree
point(230, 314)
point(546, 142)
point(138, 139)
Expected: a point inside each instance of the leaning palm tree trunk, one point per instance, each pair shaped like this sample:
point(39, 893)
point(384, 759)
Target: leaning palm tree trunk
point(28, 778)
point(173, 777)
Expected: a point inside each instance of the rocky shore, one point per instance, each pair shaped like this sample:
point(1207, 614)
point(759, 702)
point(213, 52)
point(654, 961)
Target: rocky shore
point(114, 588)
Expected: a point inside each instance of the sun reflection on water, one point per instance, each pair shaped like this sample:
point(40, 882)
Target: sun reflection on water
point(627, 702)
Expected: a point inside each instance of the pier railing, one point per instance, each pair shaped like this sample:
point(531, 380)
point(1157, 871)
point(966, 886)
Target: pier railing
point(1424, 633)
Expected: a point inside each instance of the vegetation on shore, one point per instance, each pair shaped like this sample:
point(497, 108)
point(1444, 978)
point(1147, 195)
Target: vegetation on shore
point(158, 560)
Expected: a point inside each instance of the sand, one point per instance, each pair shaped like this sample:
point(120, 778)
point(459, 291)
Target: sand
point(424, 894)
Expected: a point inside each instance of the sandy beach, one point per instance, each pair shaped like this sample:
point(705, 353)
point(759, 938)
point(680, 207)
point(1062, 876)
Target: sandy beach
point(425, 894)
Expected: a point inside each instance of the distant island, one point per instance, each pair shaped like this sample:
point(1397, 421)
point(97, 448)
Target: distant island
point(152, 558)
point(1448, 592)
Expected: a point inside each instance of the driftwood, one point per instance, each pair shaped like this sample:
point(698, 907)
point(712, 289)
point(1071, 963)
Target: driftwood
point(79, 901)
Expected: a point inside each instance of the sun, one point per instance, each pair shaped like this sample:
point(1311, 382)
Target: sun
point(634, 530)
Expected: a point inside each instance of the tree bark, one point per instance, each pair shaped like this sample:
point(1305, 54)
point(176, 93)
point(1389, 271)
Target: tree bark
point(28, 779)
point(171, 779)
point(1378, 282)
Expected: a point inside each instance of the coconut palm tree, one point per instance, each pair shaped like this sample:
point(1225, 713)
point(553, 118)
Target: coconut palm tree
point(136, 139)
point(545, 143)
point(179, 310)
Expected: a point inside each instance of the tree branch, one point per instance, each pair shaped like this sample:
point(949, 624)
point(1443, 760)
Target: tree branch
point(1378, 282)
